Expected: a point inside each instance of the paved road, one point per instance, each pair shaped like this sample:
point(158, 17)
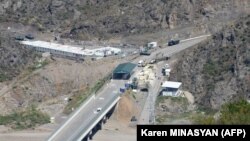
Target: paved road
point(170, 50)
point(82, 118)
point(148, 112)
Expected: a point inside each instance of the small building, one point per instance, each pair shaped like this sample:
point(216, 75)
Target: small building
point(170, 88)
point(166, 72)
point(123, 71)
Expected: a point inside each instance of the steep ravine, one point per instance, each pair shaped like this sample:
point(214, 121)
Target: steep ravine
point(218, 70)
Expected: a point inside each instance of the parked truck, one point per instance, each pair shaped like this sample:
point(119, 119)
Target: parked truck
point(145, 51)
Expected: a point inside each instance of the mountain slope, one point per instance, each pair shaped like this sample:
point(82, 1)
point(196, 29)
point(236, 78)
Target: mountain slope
point(13, 57)
point(218, 70)
point(85, 19)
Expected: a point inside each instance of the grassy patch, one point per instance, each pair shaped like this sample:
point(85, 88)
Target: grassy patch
point(76, 101)
point(130, 92)
point(211, 68)
point(3, 77)
point(231, 113)
point(180, 100)
point(206, 110)
point(38, 65)
point(81, 96)
point(29, 118)
point(161, 119)
point(180, 105)
point(98, 85)
point(235, 113)
point(133, 96)
point(160, 99)
point(203, 119)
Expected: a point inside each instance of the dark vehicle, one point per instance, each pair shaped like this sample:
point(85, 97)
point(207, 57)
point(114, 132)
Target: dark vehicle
point(145, 53)
point(133, 119)
point(173, 42)
point(29, 36)
point(19, 38)
point(144, 89)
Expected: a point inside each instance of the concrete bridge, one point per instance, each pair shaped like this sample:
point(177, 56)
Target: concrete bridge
point(86, 120)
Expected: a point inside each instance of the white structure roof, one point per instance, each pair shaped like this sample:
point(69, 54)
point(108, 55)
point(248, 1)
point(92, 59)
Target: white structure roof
point(167, 70)
point(141, 61)
point(71, 49)
point(171, 84)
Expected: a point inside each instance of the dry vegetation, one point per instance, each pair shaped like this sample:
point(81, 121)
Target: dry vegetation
point(28, 118)
point(53, 80)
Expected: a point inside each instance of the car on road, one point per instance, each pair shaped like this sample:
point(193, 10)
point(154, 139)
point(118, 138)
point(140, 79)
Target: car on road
point(98, 109)
point(173, 42)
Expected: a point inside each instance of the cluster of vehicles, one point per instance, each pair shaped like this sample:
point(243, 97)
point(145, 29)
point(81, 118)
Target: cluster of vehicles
point(143, 63)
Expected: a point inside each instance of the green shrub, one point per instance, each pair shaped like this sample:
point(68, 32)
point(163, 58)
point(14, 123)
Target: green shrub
point(235, 113)
point(81, 96)
point(3, 77)
point(29, 118)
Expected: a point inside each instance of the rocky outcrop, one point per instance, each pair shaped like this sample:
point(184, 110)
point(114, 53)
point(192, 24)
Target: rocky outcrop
point(108, 18)
point(218, 70)
point(13, 57)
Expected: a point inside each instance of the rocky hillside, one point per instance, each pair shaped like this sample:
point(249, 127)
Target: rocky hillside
point(13, 57)
point(84, 19)
point(218, 70)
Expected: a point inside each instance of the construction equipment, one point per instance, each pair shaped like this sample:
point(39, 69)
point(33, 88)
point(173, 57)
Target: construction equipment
point(145, 51)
